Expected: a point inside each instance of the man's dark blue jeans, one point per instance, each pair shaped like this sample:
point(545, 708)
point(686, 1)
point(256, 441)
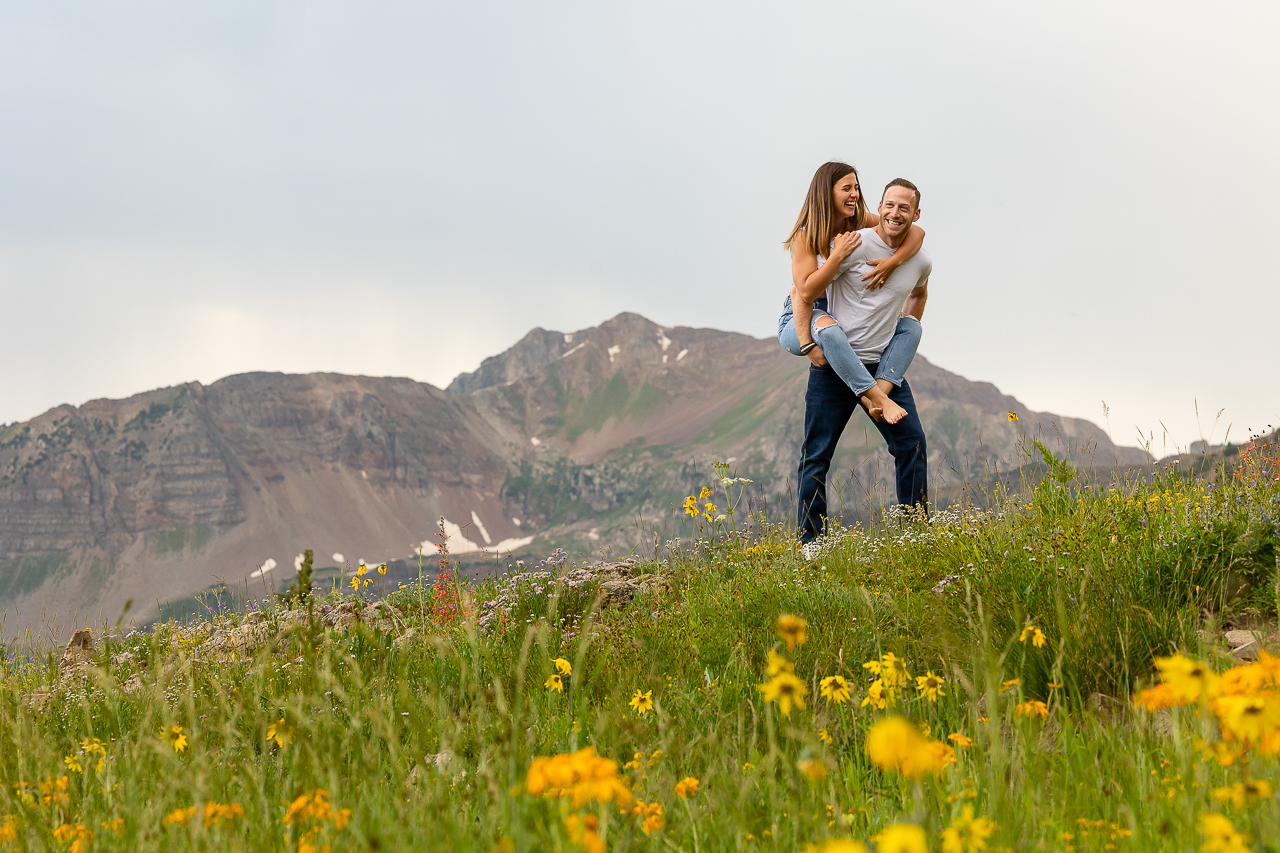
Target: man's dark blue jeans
point(828, 405)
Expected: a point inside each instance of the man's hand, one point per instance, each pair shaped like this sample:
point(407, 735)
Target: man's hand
point(816, 356)
point(884, 268)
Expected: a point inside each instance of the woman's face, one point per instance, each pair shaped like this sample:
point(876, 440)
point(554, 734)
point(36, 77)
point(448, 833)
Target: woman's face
point(845, 195)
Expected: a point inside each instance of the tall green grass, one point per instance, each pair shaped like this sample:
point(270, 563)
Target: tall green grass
point(428, 738)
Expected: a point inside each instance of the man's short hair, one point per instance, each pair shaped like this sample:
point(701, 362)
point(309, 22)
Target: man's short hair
point(902, 182)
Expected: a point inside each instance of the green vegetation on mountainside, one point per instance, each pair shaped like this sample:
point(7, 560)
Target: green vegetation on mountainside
point(959, 683)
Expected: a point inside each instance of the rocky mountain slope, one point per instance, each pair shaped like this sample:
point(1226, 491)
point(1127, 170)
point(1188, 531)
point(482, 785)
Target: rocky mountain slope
point(576, 440)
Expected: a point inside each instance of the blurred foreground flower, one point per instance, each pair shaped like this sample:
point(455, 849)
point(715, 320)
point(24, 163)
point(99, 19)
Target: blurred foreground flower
point(792, 629)
point(896, 744)
point(901, 838)
point(784, 688)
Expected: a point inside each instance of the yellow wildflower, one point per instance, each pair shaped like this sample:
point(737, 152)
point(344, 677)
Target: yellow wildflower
point(875, 695)
point(960, 740)
point(777, 663)
point(175, 738)
point(77, 833)
point(1219, 835)
point(280, 733)
point(834, 688)
point(838, 845)
point(686, 787)
point(967, 834)
point(691, 505)
point(813, 769)
point(653, 819)
point(93, 746)
point(1190, 680)
point(1032, 709)
point(179, 815)
point(553, 682)
point(1248, 791)
point(8, 829)
point(215, 813)
point(1012, 682)
point(382, 570)
point(115, 826)
point(73, 763)
point(791, 628)
point(642, 702)
point(1013, 416)
point(901, 838)
point(930, 686)
point(585, 832)
point(563, 666)
point(825, 736)
point(355, 583)
point(896, 744)
point(784, 688)
point(581, 776)
point(1156, 698)
point(1249, 718)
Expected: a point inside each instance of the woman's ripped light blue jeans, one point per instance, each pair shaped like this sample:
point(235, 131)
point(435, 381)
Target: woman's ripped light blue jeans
point(894, 361)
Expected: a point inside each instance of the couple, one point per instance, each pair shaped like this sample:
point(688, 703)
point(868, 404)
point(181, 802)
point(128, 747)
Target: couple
point(860, 285)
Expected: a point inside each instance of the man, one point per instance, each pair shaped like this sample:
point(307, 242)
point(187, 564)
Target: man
point(868, 316)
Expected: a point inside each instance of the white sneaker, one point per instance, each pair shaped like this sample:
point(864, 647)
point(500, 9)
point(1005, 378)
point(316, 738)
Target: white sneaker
point(809, 550)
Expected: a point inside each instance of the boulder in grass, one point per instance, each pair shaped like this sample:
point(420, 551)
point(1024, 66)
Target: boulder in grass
point(79, 654)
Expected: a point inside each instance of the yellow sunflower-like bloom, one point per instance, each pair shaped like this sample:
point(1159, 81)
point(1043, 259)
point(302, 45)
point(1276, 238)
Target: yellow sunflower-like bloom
point(1156, 698)
point(581, 776)
point(813, 769)
point(792, 629)
point(785, 689)
point(834, 688)
point(175, 738)
point(1242, 793)
point(642, 702)
point(777, 663)
point(901, 838)
point(896, 744)
point(1034, 708)
point(930, 686)
point(875, 697)
point(585, 832)
point(1220, 836)
point(1190, 680)
point(563, 666)
point(960, 740)
point(686, 787)
point(967, 834)
point(553, 682)
point(1249, 718)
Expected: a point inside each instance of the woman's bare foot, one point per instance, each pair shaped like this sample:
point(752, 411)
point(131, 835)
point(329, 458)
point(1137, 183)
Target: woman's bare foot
point(890, 412)
point(876, 412)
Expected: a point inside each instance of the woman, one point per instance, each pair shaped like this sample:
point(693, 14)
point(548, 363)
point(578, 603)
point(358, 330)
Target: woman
point(825, 234)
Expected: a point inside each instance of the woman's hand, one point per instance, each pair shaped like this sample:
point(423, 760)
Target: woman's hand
point(843, 245)
point(883, 268)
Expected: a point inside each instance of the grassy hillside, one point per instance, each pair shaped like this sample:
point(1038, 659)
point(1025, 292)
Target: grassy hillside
point(977, 680)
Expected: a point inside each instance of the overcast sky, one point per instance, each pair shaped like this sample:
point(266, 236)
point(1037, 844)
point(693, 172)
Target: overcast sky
point(193, 190)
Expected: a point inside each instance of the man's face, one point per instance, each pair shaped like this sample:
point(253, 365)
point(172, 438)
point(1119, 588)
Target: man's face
point(897, 211)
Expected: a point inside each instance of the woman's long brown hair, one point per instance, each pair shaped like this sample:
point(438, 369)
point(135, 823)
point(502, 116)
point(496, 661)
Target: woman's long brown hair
point(817, 218)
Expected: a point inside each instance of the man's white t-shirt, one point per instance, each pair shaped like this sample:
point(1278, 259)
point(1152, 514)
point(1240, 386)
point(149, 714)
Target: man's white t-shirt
point(869, 317)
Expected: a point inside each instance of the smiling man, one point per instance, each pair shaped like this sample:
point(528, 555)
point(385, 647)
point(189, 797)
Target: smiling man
point(869, 317)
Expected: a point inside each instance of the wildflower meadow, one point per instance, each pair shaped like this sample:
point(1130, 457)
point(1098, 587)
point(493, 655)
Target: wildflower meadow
point(1046, 671)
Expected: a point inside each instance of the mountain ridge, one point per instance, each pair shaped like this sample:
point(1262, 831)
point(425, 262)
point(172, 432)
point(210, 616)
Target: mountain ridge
point(562, 440)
